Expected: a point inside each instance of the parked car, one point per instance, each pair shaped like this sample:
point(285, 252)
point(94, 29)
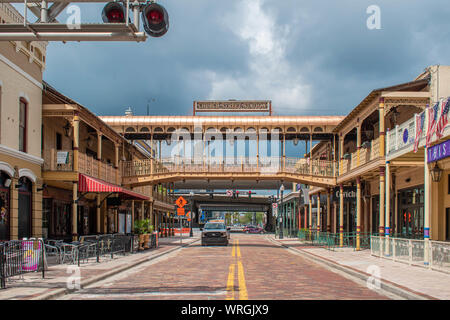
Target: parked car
point(253, 229)
point(237, 228)
point(215, 233)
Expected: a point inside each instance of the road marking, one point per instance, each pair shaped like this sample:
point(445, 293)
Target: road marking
point(233, 252)
point(230, 283)
point(243, 295)
point(238, 249)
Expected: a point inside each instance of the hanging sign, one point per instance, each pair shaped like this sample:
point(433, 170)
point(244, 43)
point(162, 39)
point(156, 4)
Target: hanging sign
point(62, 157)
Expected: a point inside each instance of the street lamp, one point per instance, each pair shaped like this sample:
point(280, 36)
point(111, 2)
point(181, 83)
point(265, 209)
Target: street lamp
point(191, 234)
point(282, 211)
point(436, 173)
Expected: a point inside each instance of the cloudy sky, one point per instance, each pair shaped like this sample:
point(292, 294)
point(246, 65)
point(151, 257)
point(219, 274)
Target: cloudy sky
point(308, 57)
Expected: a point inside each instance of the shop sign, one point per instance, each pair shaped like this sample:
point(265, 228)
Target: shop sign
point(62, 157)
point(349, 193)
point(439, 151)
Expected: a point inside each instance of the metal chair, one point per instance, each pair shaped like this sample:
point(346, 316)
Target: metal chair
point(69, 252)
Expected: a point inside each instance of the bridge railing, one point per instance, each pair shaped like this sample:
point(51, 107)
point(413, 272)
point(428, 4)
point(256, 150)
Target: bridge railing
point(262, 165)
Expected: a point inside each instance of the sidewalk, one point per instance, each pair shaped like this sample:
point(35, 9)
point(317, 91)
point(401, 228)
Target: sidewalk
point(33, 287)
point(421, 282)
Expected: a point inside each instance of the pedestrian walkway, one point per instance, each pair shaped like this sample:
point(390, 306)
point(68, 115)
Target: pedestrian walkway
point(421, 281)
point(57, 278)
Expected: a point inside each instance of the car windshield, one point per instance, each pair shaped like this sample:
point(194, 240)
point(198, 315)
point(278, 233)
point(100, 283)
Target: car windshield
point(214, 226)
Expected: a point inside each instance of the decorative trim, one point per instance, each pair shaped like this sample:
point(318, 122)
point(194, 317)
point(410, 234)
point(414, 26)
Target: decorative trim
point(7, 168)
point(23, 95)
point(20, 155)
point(24, 172)
point(19, 70)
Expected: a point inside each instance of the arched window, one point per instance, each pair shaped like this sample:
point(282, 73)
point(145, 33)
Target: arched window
point(25, 207)
point(23, 106)
point(5, 182)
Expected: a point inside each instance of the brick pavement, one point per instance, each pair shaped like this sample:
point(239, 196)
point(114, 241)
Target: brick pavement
point(427, 283)
point(255, 268)
point(32, 286)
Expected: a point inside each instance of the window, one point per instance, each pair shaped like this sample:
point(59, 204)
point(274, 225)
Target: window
point(23, 125)
point(58, 141)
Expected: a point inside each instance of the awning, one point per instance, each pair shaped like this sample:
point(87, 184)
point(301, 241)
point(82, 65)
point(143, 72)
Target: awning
point(90, 184)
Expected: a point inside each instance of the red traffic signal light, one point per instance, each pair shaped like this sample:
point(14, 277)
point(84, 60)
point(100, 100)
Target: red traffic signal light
point(156, 20)
point(113, 12)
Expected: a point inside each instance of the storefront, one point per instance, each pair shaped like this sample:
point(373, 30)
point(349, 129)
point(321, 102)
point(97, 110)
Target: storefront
point(438, 157)
point(5, 194)
point(410, 217)
point(349, 220)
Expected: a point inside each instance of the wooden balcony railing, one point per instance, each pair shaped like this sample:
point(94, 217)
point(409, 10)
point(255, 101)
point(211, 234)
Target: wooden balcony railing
point(365, 155)
point(63, 161)
point(262, 165)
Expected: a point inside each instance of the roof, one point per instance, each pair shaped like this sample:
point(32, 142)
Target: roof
point(408, 86)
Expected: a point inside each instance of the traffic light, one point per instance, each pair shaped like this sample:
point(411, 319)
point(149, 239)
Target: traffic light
point(249, 194)
point(237, 194)
point(156, 20)
point(114, 12)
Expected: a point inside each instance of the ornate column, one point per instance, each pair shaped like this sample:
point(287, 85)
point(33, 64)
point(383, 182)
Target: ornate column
point(310, 214)
point(328, 211)
point(358, 213)
point(358, 144)
point(381, 203)
point(98, 213)
point(318, 212)
point(382, 170)
point(388, 206)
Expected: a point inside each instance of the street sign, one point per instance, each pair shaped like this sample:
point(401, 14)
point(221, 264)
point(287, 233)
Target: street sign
point(181, 202)
point(229, 193)
point(180, 211)
point(188, 216)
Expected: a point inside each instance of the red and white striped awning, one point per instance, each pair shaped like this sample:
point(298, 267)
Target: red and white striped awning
point(90, 184)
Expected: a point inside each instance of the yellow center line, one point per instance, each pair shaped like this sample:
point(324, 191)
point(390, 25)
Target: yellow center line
point(230, 283)
point(238, 249)
point(243, 295)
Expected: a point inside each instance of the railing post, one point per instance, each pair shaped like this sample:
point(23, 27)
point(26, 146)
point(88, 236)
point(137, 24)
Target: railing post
point(430, 263)
point(410, 251)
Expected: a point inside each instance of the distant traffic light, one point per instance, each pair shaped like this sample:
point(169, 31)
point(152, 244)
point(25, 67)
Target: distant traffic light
point(114, 12)
point(249, 194)
point(156, 20)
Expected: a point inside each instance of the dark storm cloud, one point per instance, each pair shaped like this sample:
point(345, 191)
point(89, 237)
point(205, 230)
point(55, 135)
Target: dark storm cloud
point(338, 60)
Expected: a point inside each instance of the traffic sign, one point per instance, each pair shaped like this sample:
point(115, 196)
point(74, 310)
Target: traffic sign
point(230, 193)
point(180, 211)
point(181, 202)
point(274, 205)
point(188, 216)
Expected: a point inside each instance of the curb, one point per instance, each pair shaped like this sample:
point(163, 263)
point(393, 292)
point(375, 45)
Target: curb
point(385, 284)
point(61, 292)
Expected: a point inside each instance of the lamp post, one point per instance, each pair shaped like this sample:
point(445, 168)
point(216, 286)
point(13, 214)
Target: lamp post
point(282, 211)
point(191, 234)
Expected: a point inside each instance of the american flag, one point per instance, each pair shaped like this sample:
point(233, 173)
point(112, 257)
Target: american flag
point(443, 119)
point(420, 120)
point(432, 118)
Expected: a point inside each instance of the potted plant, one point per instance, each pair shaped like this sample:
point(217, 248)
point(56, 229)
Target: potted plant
point(140, 228)
point(147, 227)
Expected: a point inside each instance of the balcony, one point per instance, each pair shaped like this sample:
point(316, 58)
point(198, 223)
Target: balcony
point(62, 161)
point(366, 155)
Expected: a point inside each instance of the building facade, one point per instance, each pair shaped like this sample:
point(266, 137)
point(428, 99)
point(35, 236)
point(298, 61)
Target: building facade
point(21, 67)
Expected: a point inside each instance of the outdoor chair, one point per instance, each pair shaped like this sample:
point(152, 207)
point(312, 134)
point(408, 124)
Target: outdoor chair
point(69, 253)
